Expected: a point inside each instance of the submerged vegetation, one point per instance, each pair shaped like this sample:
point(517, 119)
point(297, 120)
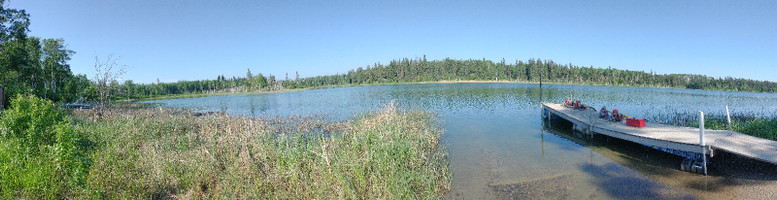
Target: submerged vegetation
point(160, 153)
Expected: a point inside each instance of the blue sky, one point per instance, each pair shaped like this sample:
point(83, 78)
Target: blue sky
point(190, 40)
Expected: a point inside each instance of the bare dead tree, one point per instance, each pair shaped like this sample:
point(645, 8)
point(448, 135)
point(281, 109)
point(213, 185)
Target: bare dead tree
point(105, 73)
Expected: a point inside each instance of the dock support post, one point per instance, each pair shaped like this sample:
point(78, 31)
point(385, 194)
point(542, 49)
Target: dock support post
point(701, 141)
point(728, 117)
point(591, 133)
point(589, 129)
point(540, 87)
point(550, 113)
point(590, 123)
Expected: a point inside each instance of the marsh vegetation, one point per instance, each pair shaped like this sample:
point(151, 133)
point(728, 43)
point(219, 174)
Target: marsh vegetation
point(160, 153)
point(138, 153)
point(493, 130)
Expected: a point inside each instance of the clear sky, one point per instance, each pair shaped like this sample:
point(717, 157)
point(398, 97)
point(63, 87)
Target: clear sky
point(190, 40)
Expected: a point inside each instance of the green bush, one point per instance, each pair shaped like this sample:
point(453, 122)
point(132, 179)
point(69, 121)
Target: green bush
point(41, 154)
point(31, 120)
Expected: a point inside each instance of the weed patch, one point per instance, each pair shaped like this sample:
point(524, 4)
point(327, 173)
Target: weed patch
point(41, 153)
point(162, 153)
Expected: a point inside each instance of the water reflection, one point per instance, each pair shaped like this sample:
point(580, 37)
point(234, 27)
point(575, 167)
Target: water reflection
point(730, 176)
point(497, 144)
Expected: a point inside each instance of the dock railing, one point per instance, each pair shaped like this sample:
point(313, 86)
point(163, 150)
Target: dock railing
point(701, 141)
point(728, 118)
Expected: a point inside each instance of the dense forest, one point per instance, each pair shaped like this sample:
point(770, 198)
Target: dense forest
point(532, 70)
point(31, 65)
point(420, 70)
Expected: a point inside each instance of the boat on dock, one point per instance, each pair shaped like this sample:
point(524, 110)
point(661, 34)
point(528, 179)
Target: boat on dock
point(674, 139)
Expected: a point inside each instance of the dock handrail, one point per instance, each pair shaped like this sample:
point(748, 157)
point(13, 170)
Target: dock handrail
point(701, 141)
point(673, 137)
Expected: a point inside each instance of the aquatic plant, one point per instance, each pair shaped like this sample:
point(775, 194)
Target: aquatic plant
point(747, 123)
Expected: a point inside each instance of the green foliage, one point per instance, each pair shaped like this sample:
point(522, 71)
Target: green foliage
point(25, 175)
point(763, 128)
point(41, 155)
point(158, 154)
point(77, 87)
point(742, 123)
point(533, 70)
point(31, 120)
point(14, 23)
point(31, 65)
point(420, 70)
point(261, 81)
point(55, 70)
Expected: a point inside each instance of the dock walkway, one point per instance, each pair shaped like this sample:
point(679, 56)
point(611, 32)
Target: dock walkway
point(670, 137)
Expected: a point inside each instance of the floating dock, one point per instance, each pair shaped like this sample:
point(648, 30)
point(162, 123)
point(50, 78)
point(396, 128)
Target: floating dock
point(668, 137)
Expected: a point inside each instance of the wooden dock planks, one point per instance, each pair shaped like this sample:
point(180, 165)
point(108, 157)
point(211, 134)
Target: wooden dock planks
point(671, 137)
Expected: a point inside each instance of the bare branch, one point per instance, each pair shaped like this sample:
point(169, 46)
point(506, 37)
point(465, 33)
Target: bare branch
point(105, 75)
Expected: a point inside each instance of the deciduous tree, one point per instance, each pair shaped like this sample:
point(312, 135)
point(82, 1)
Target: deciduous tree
point(106, 72)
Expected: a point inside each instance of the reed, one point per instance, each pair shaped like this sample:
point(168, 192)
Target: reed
point(161, 153)
point(747, 123)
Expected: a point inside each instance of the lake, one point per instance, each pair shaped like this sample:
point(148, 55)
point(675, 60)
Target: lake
point(500, 148)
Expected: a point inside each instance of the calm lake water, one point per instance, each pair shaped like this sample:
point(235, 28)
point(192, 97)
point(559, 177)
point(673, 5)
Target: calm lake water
point(499, 147)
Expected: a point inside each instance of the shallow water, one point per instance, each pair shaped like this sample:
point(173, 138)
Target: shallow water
point(499, 147)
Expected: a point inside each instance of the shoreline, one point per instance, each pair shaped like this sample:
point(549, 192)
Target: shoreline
point(220, 93)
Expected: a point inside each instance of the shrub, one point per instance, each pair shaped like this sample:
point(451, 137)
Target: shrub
point(41, 154)
point(31, 120)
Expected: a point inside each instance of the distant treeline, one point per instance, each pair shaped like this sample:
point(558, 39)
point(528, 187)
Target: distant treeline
point(37, 66)
point(532, 70)
point(420, 70)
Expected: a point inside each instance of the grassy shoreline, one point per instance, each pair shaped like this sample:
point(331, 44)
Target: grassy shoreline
point(161, 153)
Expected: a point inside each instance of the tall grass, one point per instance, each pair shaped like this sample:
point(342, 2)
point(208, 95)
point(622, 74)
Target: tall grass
point(160, 153)
point(750, 124)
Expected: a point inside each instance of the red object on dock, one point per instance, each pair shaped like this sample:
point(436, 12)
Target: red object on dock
point(639, 123)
